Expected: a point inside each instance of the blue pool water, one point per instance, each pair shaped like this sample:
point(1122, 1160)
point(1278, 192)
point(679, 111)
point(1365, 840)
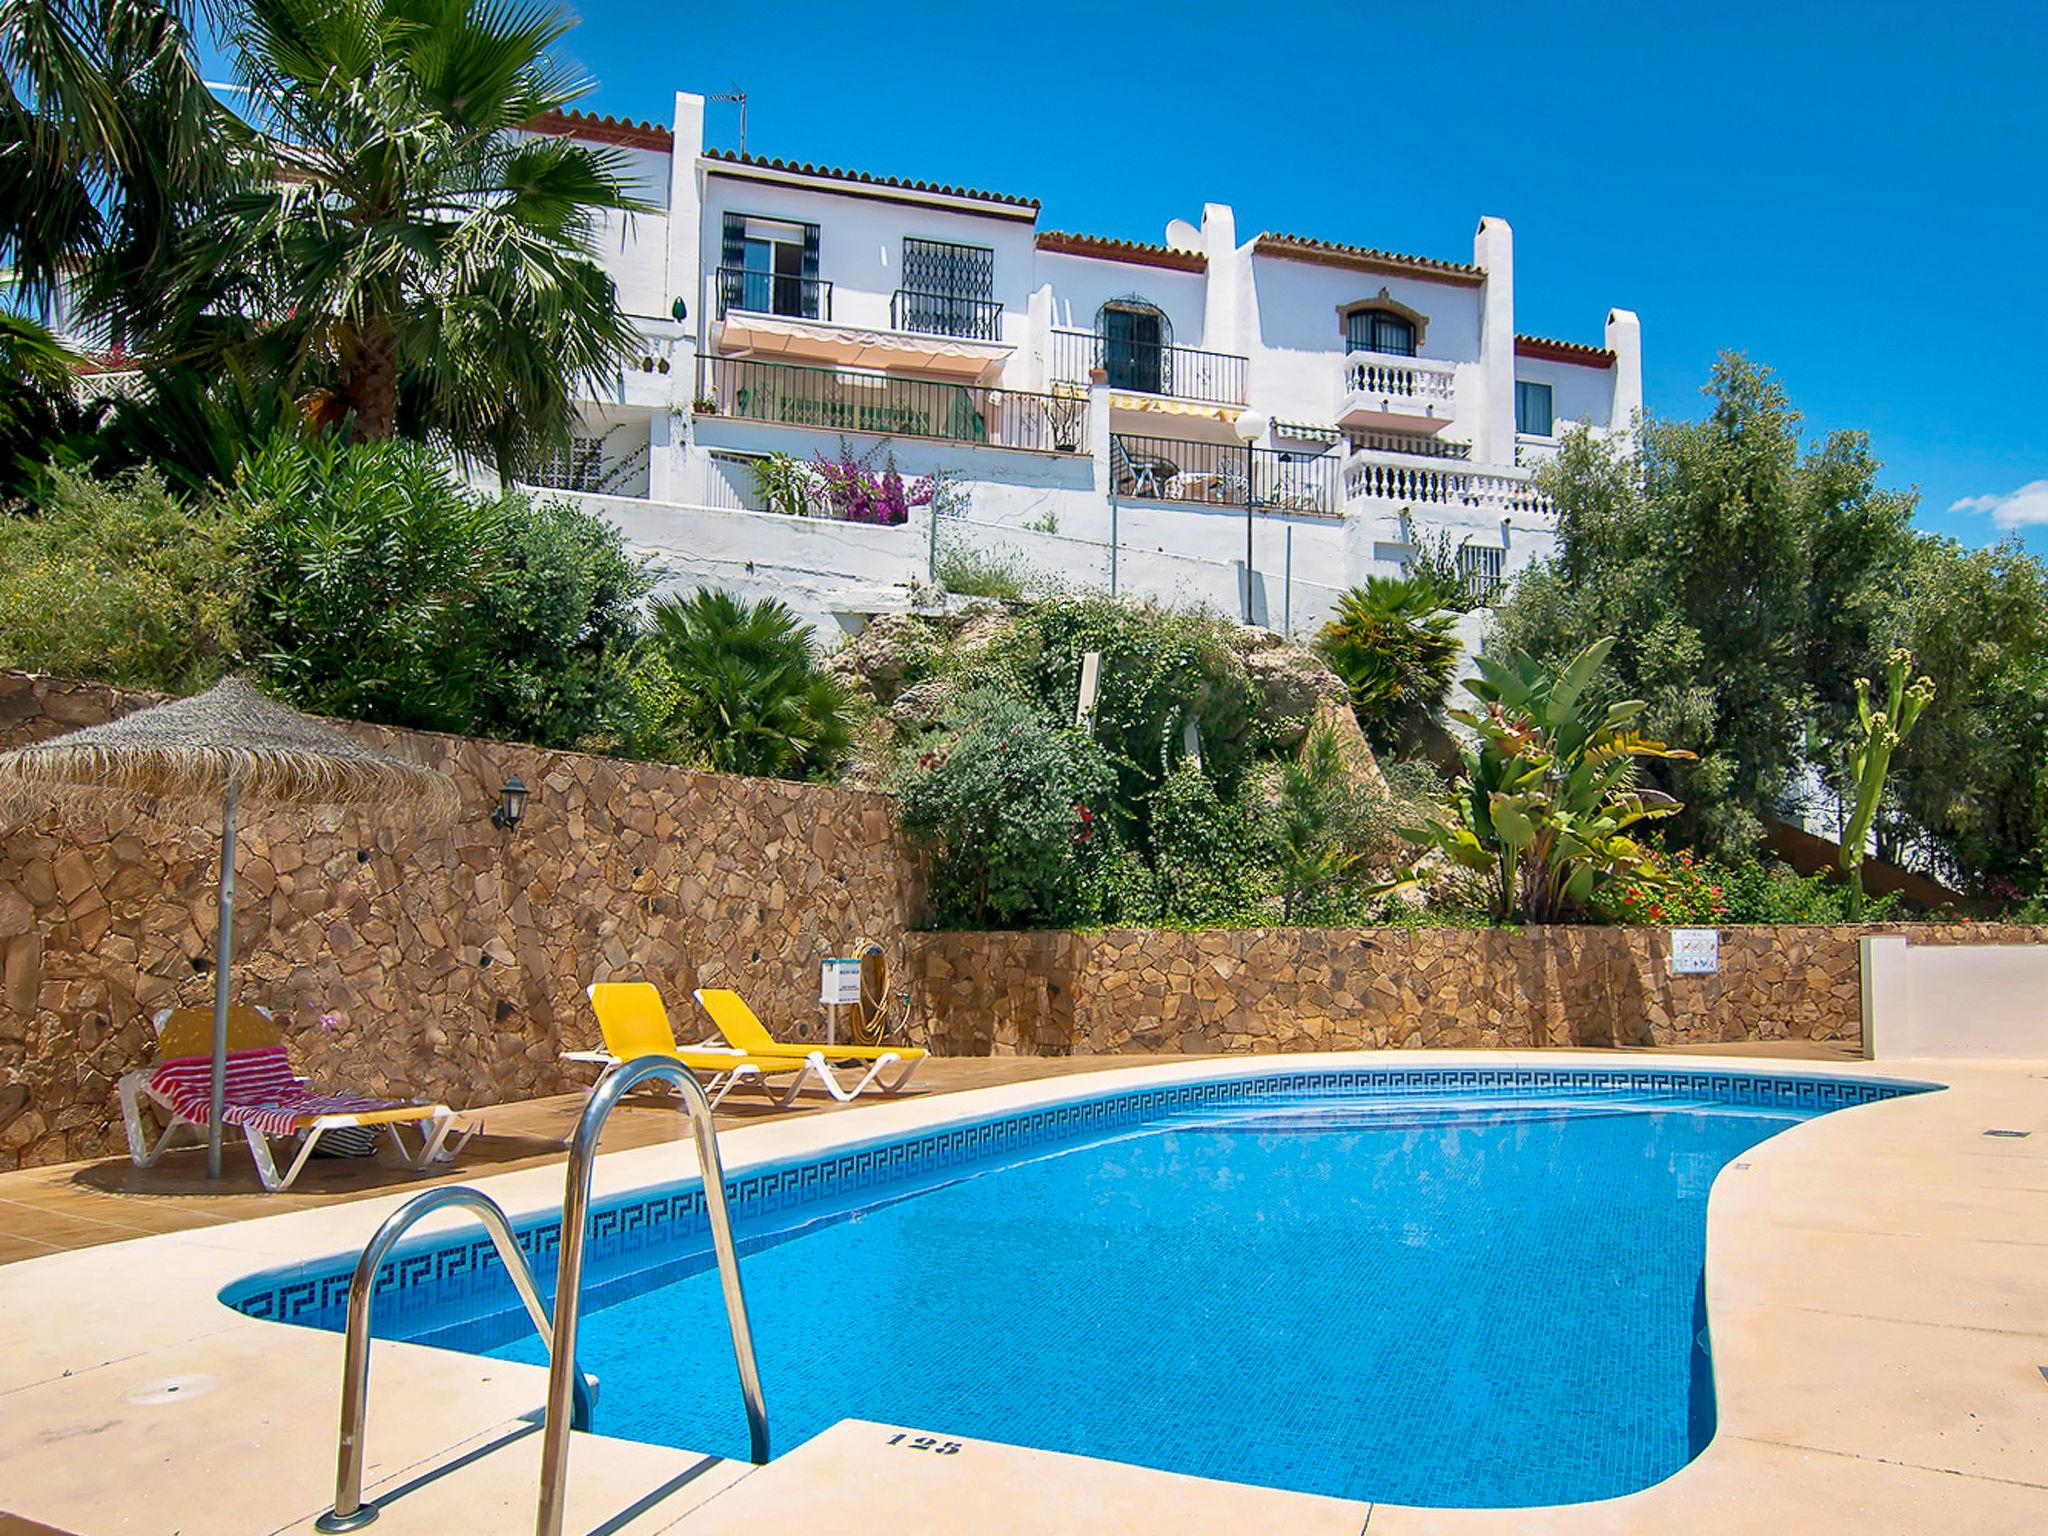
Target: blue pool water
point(1438, 1299)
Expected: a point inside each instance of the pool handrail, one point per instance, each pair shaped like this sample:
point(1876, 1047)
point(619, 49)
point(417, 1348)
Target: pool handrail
point(556, 1424)
point(350, 1513)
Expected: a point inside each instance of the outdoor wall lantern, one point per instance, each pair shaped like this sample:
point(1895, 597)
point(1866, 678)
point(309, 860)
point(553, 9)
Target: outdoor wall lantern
point(680, 310)
point(511, 806)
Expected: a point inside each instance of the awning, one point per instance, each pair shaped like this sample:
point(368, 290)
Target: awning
point(788, 339)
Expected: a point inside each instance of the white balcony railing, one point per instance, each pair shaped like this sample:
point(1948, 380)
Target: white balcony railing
point(1400, 387)
point(1372, 476)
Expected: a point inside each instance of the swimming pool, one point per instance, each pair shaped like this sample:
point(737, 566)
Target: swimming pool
point(1449, 1286)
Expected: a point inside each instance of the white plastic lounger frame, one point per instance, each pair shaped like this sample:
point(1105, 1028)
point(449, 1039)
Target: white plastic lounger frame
point(720, 1083)
point(434, 1129)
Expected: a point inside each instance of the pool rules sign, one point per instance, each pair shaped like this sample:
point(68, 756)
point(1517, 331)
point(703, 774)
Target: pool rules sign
point(1695, 951)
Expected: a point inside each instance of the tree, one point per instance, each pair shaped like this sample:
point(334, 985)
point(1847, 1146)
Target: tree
point(1323, 828)
point(106, 128)
point(1971, 783)
point(1394, 643)
point(1549, 789)
point(390, 245)
point(742, 688)
point(1743, 578)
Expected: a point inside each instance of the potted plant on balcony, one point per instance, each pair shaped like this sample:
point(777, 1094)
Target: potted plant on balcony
point(1063, 414)
point(705, 405)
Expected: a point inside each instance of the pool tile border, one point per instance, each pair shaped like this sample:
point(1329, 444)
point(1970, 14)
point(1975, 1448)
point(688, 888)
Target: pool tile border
point(420, 1284)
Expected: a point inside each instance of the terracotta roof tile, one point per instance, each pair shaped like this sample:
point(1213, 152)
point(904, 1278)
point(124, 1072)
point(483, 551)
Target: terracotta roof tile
point(1563, 351)
point(1133, 251)
point(1364, 258)
point(863, 178)
point(604, 130)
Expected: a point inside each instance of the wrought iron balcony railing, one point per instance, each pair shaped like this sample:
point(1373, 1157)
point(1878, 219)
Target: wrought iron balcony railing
point(1222, 474)
point(1148, 368)
point(842, 400)
point(773, 293)
point(946, 314)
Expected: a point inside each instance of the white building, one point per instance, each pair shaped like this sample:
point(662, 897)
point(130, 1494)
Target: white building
point(1106, 411)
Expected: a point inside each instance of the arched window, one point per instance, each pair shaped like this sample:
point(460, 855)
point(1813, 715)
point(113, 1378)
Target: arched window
point(1136, 341)
point(1383, 324)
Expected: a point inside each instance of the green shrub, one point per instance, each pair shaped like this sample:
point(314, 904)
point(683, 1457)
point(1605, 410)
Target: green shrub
point(1393, 643)
point(121, 582)
point(381, 588)
point(1011, 813)
point(559, 619)
point(743, 691)
point(1705, 892)
point(1160, 669)
point(1002, 574)
point(1323, 829)
point(1208, 863)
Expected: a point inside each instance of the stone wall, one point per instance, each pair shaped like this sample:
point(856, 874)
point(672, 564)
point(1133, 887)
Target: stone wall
point(450, 963)
point(1310, 989)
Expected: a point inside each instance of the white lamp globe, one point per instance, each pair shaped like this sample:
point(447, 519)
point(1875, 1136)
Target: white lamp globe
point(1251, 426)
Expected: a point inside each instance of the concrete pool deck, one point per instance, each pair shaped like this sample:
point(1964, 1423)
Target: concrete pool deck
point(1877, 1289)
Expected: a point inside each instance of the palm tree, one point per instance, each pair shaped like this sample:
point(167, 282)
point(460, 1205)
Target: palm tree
point(393, 246)
point(105, 130)
point(748, 694)
point(1397, 649)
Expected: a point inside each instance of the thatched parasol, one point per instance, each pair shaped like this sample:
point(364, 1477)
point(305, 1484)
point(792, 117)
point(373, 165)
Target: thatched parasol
point(234, 746)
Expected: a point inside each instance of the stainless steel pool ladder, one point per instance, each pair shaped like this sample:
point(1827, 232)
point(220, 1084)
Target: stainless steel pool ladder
point(350, 1512)
point(570, 1396)
point(562, 1373)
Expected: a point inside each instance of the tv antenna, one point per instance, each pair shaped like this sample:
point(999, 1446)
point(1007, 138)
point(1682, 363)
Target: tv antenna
point(739, 98)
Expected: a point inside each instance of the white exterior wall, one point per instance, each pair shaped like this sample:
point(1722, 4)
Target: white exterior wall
point(1283, 315)
point(860, 245)
point(1951, 1001)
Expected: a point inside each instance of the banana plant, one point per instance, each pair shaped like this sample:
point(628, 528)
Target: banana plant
point(1549, 794)
point(1871, 758)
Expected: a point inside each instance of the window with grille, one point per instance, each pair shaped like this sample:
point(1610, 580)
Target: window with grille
point(1480, 565)
point(948, 290)
point(1379, 330)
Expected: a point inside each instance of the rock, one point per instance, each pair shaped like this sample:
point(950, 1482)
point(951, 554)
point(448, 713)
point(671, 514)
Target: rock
point(1292, 683)
point(919, 706)
point(875, 661)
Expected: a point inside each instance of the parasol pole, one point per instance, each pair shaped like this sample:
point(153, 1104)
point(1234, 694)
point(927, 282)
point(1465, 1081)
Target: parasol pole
point(223, 957)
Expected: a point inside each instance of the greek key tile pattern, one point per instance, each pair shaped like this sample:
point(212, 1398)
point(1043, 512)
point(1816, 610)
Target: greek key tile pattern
point(435, 1290)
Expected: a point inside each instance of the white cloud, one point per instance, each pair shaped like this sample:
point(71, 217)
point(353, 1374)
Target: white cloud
point(2026, 507)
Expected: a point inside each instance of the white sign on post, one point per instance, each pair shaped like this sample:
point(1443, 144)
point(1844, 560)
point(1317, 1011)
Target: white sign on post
point(1695, 951)
point(839, 986)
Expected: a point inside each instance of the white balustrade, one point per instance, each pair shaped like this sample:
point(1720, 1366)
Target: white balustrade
point(1425, 383)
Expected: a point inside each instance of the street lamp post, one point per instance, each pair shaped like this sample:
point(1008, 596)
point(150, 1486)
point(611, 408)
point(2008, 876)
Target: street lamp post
point(1251, 426)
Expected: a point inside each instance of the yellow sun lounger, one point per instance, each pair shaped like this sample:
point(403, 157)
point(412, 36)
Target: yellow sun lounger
point(636, 1024)
point(745, 1032)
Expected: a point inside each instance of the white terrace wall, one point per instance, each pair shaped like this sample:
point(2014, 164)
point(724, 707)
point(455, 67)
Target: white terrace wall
point(1954, 1000)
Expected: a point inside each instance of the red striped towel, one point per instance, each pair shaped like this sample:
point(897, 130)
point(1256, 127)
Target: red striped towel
point(262, 1090)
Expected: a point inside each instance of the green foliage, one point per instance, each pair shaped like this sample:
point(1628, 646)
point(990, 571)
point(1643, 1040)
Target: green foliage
point(1206, 854)
point(121, 582)
point(1743, 578)
point(783, 482)
point(379, 588)
point(1972, 781)
point(1870, 757)
point(744, 691)
point(1160, 670)
point(1323, 828)
point(1689, 891)
point(379, 242)
point(559, 617)
point(967, 571)
point(1434, 564)
point(1010, 812)
point(1393, 642)
point(1548, 793)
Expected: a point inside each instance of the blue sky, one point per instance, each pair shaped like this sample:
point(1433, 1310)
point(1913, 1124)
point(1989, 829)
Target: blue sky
point(1851, 193)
